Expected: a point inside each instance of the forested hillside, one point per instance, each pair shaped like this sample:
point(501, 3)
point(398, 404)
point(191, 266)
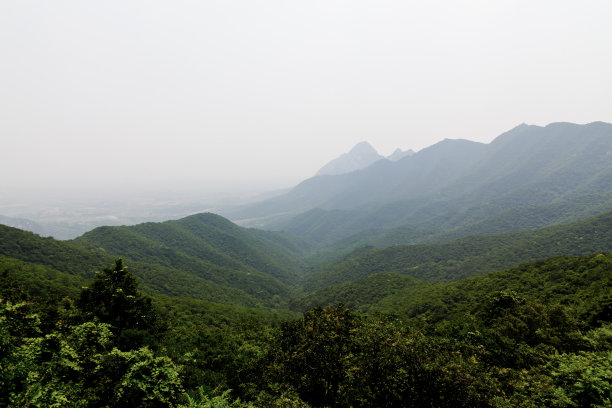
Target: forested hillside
point(201, 238)
point(162, 269)
point(471, 255)
point(563, 280)
point(522, 337)
point(213, 318)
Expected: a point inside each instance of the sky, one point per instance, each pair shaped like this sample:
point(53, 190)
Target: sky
point(248, 94)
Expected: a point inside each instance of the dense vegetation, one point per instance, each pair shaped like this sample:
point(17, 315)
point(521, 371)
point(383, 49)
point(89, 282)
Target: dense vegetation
point(365, 232)
point(470, 256)
point(537, 335)
point(195, 271)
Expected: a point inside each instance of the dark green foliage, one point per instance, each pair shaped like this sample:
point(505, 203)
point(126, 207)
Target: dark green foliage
point(583, 380)
point(16, 325)
point(238, 265)
point(313, 352)
point(497, 342)
point(361, 293)
point(200, 399)
point(161, 269)
point(333, 357)
point(114, 299)
point(29, 247)
point(146, 380)
point(566, 380)
point(21, 280)
point(218, 268)
point(71, 360)
point(583, 283)
point(10, 289)
point(493, 340)
point(471, 255)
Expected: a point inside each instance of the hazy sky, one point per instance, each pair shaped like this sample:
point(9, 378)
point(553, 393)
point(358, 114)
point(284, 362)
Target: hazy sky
point(252, 93)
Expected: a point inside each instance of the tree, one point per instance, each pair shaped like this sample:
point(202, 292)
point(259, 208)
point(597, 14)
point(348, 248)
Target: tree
point(336, 358)
point(312, 353)
point(114, 299)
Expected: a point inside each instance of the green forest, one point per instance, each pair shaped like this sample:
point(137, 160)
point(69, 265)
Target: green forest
point(202, 313)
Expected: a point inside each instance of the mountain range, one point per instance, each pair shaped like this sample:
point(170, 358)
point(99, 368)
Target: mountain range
point(450, 211)
point(453, 184)
point(466, 274)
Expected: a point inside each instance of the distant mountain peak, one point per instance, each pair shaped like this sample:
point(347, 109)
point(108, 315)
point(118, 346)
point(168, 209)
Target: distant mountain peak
point(363, 147)
point(360, 156)
point(398, 154)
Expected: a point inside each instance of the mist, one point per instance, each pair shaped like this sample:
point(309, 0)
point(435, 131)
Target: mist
point(124, 100)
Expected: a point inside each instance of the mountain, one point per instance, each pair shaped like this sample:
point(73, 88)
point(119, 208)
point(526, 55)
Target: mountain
point(398, 154)
point(583, 282)
point(359, 157)
point(203, 256)
point(29, 247)
point(452, 184)
point(469, 256)
point(375, 184)
point(260, 264)
point(565, 280)
point(22, 251)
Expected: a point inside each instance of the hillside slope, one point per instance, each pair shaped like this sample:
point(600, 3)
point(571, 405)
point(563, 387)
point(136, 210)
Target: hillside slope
point(563, 280)
point(201, 257)
point(209, 247)
point(470, 256)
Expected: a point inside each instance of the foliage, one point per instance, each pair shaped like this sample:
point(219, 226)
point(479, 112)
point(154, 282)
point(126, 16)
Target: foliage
point(147, 381)
point(583, 380)
point(536, 335)
point(75, 364)
point(179, 263)
point(333, 357)
point(223, 400)
point(584, 283)
point(475, 255)
point(361, 293)
point(208, 247)
point(114, 299)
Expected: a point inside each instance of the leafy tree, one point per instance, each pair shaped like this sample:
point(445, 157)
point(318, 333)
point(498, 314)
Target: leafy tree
point(16, 325)
point(222, 400)
point(114, 299)
point(138, 378)
point(583, 380)
point(336, 358)
point(313, 351)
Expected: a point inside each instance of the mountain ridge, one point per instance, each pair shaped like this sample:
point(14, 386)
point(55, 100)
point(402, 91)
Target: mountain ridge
point(527, 165)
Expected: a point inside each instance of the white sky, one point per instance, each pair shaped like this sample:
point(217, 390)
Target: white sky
point(260, 94)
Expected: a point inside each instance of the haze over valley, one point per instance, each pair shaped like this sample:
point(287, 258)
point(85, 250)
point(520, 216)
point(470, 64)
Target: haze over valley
point(259, 204)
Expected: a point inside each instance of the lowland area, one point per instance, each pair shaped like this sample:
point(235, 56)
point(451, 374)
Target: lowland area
point(462, 275)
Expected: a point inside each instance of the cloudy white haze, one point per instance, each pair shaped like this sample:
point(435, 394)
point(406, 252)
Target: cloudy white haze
point(227, 95)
